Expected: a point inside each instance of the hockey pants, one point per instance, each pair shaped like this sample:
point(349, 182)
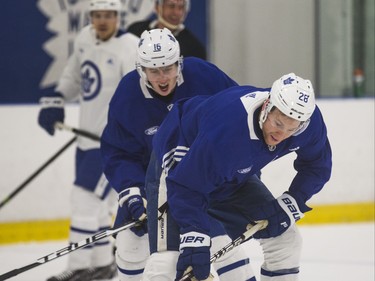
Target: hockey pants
point(164, 240)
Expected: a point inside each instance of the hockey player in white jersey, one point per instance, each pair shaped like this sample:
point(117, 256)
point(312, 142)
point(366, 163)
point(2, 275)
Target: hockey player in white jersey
point(102, 55)
point(142, 100)
point(207, 153)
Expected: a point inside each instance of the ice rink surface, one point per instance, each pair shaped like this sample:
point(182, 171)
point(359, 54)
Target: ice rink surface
point(342, 252)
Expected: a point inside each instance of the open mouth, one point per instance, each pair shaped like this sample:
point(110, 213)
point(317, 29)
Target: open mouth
point(163, 87)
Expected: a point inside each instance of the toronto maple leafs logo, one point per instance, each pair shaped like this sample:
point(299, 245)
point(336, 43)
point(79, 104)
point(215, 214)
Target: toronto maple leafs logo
point(91, 80)
point(250, 95)
point(289, 80)
point(66, 18)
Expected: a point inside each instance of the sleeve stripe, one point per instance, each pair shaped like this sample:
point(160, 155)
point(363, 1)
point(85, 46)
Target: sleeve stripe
point(174, 155)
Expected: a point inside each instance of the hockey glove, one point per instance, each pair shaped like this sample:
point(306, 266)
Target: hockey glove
point(281, 213)
point(52, 111)
point(194, 252)
point(132, 205)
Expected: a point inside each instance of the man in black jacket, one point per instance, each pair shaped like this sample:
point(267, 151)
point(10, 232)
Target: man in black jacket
point(171, 14)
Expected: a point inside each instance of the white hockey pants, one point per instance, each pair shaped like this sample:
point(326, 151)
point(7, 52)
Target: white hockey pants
point(282, 256)
point(234, 265)
point(90, 215)
point(131, 255)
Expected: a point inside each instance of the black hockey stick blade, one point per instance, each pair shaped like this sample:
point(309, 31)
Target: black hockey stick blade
point(230, 246)
point(37, 172)
point(76, 131)
point(67, 250)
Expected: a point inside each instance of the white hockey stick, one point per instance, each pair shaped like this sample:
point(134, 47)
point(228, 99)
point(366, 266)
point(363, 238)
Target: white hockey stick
point(67, 250)
point(78, 132)
point(246, 235)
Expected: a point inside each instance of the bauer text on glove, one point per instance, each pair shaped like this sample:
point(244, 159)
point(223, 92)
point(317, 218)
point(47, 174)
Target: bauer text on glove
point(195, 253)
point(281, 213)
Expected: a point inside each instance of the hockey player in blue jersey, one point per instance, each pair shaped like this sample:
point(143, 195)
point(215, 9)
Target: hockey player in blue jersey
point(142, 100)
point(206, 156)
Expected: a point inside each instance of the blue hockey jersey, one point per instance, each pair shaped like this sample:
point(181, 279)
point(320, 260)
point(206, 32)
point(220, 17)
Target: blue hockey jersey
point(210, 145)
point(135, 115)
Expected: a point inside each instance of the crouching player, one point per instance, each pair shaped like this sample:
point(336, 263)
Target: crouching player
point(207, 153)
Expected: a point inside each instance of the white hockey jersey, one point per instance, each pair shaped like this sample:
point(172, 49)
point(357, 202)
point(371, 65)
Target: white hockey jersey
point(91, 77)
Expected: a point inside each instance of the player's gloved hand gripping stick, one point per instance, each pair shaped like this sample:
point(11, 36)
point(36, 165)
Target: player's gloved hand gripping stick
point(52, 111)
point(132, 205)
point(252, 229)
point(281, 213)
point(194, 255)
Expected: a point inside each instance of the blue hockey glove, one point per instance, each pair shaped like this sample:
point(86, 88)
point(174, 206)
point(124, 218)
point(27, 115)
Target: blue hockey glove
point(281, 213)
point(52, 111)
point(195, 253)
point(132, 205)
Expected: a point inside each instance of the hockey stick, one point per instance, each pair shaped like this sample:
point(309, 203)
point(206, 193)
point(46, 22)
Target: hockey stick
point(78, 132)
point(37, 172)
point(246, 235)
point(67, 250)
